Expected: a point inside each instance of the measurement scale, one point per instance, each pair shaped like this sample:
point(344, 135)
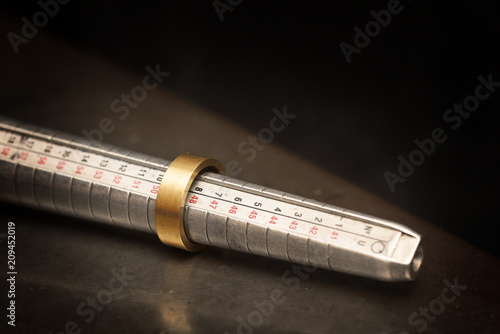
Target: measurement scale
point(189, 202)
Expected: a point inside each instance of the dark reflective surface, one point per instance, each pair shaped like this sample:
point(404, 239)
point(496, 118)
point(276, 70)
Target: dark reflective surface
point(62, 262)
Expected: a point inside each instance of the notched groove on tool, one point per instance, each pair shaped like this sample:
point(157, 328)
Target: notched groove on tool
point(109, 205)
point(52, 176)
point(246, 238)
point(16, 195)
point(128, 210)
point(206, 227)
point(307, 252)
point(225, 231)
point(148, 218)
point(71, 196)
point(51, 190)
point(286, 247)
point(328, 256)
point(90, 200)
point(267, 242)
point(34, 169)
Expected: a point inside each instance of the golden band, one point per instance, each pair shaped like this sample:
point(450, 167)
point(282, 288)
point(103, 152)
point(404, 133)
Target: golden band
point(171, 198)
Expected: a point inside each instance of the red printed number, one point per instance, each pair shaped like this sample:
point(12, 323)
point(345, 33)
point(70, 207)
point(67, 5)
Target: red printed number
point(42, 160)
point(253, 214)
point(117, 179)
point(193, 199)
point(313, 230)
point(273, 220)
point(155, 188)
point(213, 205)
point(60, 164)
point(23, 155)
point(137, 183)
point(5, 150)
point(233, 209)
point(97, 174)
point(293, 225)
point(334, 235)
point(79, 169)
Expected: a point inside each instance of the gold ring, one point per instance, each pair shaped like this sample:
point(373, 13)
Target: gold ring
point(171, 198)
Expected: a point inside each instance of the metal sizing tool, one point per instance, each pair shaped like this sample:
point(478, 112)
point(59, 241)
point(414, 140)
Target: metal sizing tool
point(189, 203)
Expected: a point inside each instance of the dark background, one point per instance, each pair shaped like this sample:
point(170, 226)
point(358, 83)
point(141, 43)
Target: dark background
point(354, 119)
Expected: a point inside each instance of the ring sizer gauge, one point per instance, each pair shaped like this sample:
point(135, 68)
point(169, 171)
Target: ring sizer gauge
point(189, 203)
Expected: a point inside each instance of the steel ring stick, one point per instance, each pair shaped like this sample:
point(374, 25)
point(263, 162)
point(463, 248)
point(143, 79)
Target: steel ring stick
point(189, 202)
